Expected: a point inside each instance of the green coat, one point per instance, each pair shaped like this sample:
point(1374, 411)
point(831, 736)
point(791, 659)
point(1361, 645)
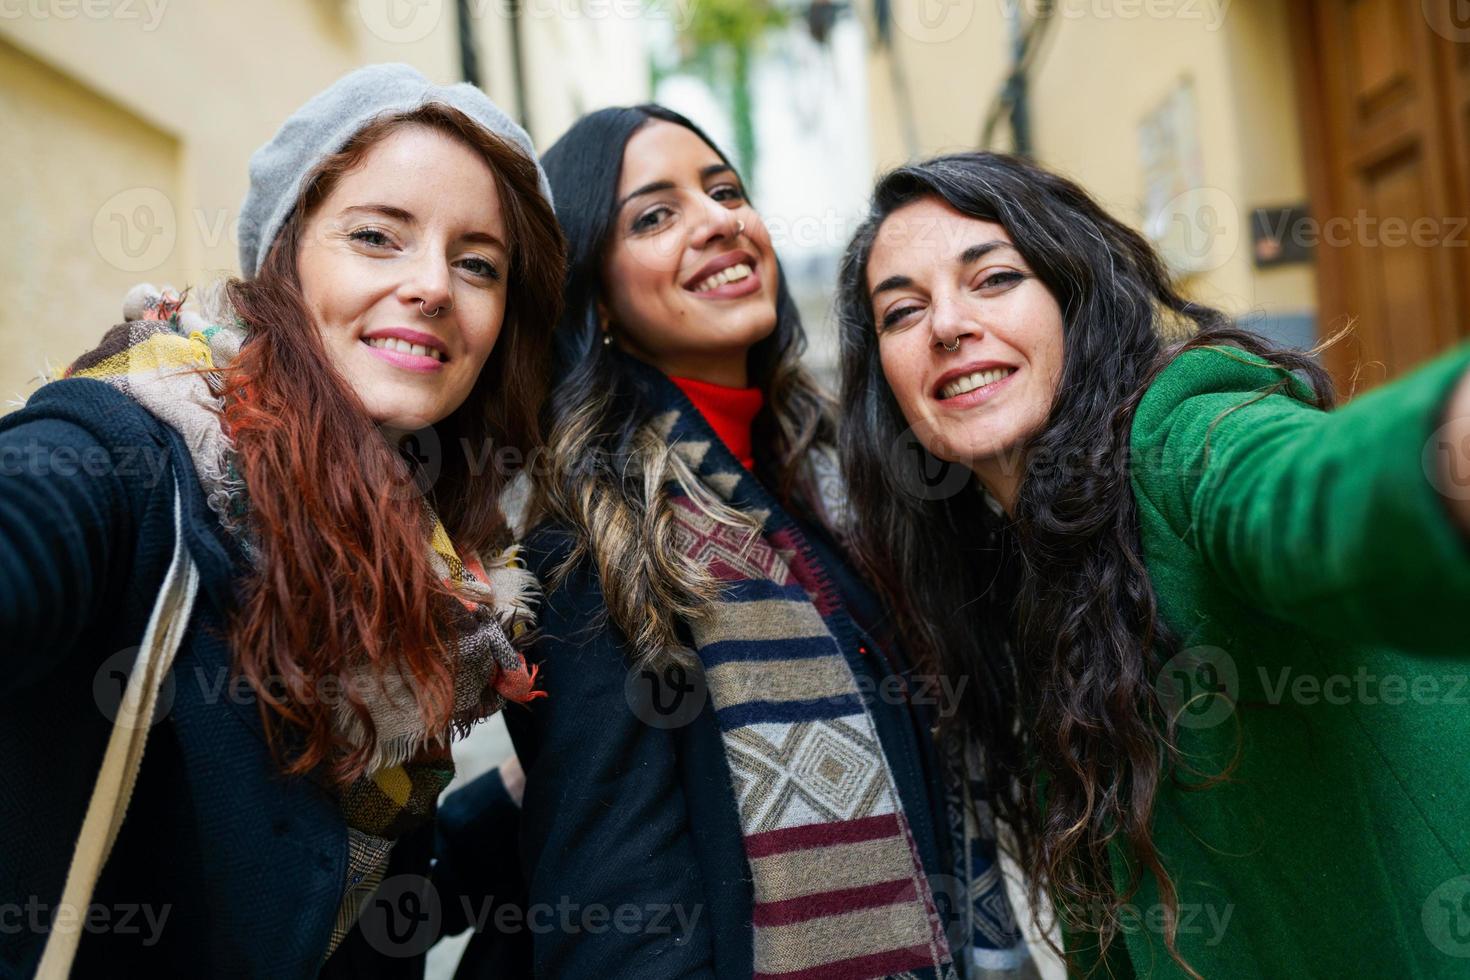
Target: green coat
point(1308, 555)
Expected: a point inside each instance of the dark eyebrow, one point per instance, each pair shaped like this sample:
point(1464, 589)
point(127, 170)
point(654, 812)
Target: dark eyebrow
point(653, 188)
point(971, 254)
point(705, 173)
point(975, 252)
point(892, 282)
point(398, 214)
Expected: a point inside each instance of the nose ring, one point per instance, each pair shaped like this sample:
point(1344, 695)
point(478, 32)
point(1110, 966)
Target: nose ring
point(739, 227)
point(955, 347)
point(437, 309)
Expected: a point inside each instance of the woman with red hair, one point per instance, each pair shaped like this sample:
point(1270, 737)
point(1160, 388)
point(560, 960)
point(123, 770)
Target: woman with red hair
point(285, 501)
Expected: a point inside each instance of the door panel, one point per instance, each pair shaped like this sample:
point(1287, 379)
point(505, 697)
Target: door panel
point(1386, 101)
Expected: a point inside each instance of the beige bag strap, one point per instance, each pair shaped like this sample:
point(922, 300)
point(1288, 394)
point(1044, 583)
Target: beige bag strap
point(124, 756)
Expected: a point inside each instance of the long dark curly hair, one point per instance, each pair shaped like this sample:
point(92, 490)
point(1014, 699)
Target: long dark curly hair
point(1057, 620)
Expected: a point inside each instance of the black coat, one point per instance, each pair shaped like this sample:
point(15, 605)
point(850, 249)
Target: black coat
point(624, 818)
point(241, 869)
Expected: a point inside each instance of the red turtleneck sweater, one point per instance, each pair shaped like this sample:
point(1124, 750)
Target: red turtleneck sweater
point(729, 411)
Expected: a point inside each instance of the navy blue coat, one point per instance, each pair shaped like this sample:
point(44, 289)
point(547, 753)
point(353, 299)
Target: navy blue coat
point(624, 818)
point(224, 868)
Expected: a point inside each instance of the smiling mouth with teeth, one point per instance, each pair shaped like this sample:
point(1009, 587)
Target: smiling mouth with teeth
point(735, 273)
point(404, 347)
point(971, 382)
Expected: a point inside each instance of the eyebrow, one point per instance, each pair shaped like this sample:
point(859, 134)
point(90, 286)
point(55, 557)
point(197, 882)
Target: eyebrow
point(398, 214)
point(668, 185)
point(386, 210)
point(972, 254)
point(976, 252)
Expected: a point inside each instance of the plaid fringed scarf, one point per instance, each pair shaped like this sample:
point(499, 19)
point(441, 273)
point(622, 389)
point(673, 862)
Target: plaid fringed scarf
point(167, 359)
point(839, 890)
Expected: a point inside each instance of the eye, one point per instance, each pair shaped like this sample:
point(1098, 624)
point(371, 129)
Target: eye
point(727, 192)
point(894, 317)
point(1000, 278)
point(373, 237)
point(651, 218)
point(481, 267)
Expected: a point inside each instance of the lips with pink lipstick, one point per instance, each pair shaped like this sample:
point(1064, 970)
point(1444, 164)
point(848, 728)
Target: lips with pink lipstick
point(972, 384)
point(412, 350)
point(729, 276)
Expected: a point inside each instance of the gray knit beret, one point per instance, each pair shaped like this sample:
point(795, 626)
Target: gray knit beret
point(328, 122)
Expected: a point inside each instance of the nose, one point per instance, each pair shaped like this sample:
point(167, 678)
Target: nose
point(428, 286)
point(717, 222)
point(951, 322)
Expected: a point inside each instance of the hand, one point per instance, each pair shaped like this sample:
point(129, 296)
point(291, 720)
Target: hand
point(514, 778)
point(1453, 452)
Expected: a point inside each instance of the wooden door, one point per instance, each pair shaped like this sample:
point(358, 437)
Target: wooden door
point(1385, 101)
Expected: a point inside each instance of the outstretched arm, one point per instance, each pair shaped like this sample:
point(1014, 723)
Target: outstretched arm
point(67, 526)
point(1339, 521)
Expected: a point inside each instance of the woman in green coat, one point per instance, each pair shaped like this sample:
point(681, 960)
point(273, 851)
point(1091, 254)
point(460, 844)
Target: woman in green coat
point(1216, 631)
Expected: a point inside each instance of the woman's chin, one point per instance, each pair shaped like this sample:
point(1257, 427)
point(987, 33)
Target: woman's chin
point(959, 445)
point(750, 319)
point(405, 414)
point(754, 325)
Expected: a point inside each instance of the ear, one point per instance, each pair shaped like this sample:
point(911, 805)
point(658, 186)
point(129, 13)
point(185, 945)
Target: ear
point(604, 319)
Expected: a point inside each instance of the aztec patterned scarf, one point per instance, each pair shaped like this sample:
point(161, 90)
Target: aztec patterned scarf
point(839, 889)
point(167, 359)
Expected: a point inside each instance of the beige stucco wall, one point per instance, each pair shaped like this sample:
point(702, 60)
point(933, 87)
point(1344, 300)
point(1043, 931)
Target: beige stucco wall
point(935, 82)
point(1270, 141)
point(579, 56)
point(139, 116)
point(1103, 68)
point(218, 77)
point(60, 289)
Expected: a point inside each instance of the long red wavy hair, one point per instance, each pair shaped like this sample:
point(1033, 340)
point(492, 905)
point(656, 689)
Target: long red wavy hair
point(342, 577)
